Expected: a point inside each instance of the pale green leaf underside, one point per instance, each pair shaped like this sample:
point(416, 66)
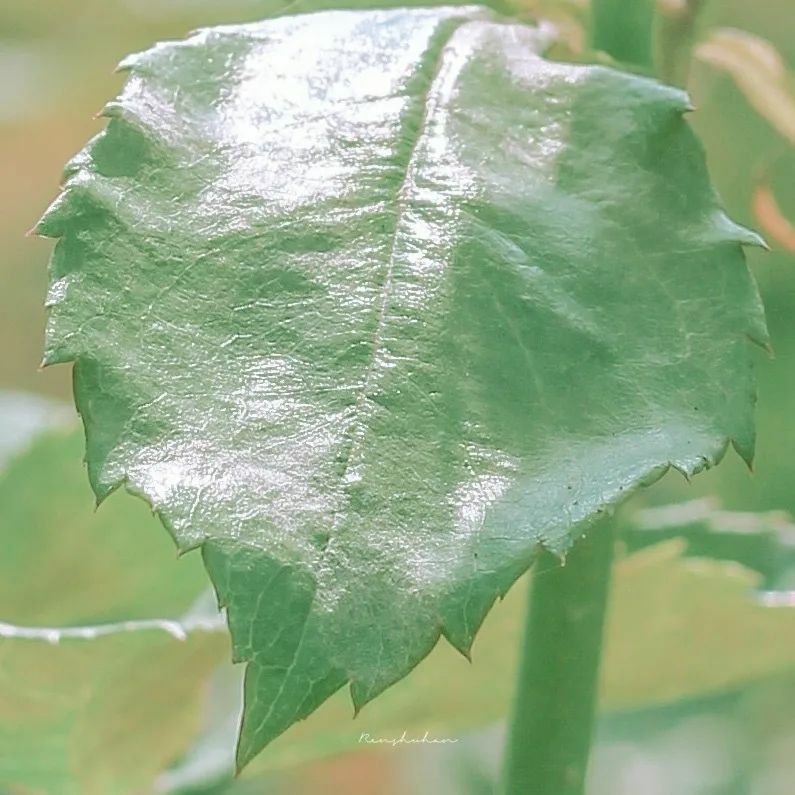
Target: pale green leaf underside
point(370, 304)
point(92, 710)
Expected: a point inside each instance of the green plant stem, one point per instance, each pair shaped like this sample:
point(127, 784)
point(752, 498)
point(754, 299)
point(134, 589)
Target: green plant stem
point(623, 29)
point(549, 737)
point(677, 32)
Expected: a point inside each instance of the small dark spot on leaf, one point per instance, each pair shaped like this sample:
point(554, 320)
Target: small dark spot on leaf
point(320, 539)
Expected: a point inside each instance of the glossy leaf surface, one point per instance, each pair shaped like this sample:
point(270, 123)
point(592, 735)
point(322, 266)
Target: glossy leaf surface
point(370, 304)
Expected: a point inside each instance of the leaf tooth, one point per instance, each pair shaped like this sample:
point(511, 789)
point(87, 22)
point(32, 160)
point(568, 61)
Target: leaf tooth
point(115, 109)
point(360, 695)
point(745, 448)
point(368, 683)
point(560, 546)
point(648, 93)
point(56, 353)
point(147, 62)
point(462, 643)
point(688, 467)
point(141, 62)
point(731, 231)
point(83, 195)
point(73, 166)
point(678, 100)
point(183, 546)
point(282, 706)
point(363, 691)
point(129, 63)
point(122, 117)
point(463, 615)
point(655, 474)
point(103, 490)
point(51, 223)
point(757, 331)
point(104, 477)
point(761, 339)
point(465, 608)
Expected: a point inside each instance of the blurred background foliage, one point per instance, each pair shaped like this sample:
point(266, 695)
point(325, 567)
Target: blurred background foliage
point(57, 59)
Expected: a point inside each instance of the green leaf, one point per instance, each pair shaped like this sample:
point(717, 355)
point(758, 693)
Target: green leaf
point(762, 542)
point(663, 601)
point(92, 710)
point(682, 627)
point(369, 305)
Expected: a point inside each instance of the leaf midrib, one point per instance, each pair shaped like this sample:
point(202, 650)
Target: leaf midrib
point(435, 53)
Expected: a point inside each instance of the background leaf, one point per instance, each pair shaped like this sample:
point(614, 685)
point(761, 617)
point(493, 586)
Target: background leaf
point(99, 716)
point(762, 542)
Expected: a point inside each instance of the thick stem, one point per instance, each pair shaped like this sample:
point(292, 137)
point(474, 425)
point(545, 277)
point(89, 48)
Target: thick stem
point(549, 737)
point(677, 32)
point(623, 29)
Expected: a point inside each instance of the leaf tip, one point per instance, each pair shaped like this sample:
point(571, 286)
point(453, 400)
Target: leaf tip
point(111, 110)
point(49, 225)
point(359, 696)
point(128, 63)
point(463, 645)
point(101, 490)
point(746, 450)
point(243, 755)
point(753, 239)
point(740, 234)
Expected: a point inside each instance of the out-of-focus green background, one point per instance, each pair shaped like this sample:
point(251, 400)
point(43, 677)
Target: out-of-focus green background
point(56, 71)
